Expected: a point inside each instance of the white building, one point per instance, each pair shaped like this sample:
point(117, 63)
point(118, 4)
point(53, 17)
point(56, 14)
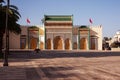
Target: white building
point(117, 36)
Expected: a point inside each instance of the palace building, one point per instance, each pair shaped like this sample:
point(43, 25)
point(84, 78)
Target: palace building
point(58, 33)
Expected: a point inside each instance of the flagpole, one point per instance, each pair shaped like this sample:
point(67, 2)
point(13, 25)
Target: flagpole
point(89, 44)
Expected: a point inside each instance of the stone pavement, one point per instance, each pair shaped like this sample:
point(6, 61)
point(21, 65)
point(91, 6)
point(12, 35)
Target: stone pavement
point(20, 67)
point(61, 65)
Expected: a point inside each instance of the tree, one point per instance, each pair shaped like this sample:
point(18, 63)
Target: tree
point(1, 1)
point(13, 17)
point(106, 38)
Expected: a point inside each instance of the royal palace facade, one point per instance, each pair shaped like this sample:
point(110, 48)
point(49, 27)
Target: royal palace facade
point(58, 33)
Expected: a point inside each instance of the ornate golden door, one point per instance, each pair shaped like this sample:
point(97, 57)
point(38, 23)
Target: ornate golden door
point(48, 46)
point(22, 43)
point(83, 44)
point(67, 44)
point(75, 45)
point(58, 43)
point(41, 45)
point(92, 43)
point(33, 43)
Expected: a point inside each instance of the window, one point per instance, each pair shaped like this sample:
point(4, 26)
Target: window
point(23, 41)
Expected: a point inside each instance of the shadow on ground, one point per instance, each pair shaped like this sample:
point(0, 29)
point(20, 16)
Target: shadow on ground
point(60, 54)
point(57, 72)
point(30, 73)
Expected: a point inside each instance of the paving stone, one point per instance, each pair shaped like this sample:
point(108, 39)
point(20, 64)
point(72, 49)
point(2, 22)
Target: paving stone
point(62, 65)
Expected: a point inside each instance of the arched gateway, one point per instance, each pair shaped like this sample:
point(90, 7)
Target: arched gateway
point(58, 43)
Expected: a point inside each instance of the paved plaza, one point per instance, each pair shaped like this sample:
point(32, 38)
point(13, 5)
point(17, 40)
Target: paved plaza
point(61, 65)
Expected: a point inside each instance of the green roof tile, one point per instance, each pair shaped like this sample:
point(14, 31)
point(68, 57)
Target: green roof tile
point(58, 18)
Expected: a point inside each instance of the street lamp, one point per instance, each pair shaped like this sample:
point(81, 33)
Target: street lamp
point(7, 37)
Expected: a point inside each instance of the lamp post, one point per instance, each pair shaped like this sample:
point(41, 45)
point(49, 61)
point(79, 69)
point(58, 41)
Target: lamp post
point(7, 37)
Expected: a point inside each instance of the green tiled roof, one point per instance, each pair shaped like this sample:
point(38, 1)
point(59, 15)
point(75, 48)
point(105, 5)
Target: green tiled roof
point(58, 18)
point(84, 26)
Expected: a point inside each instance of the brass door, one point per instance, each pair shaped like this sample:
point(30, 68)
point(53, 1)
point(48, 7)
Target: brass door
point(58, 43)
point(67, 44)
point(83, 44)
point(33, 43)
point(92, 43)
point(48, 44)
point(23, 43)
point(75, 45)
point(41, 45)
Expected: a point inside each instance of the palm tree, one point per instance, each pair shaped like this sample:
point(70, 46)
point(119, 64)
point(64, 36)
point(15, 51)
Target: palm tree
point(1, 1)
point(13, 17)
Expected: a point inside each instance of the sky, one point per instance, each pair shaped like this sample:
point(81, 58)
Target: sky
point(102, 12)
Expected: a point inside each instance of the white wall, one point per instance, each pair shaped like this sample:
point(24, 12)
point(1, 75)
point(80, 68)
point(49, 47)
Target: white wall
point(14, 41)
point(97, 31)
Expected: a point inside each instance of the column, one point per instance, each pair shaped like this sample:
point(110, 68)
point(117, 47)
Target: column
point(88, 39)
point(63, 42)
point(78, 39)
point(52, 44)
